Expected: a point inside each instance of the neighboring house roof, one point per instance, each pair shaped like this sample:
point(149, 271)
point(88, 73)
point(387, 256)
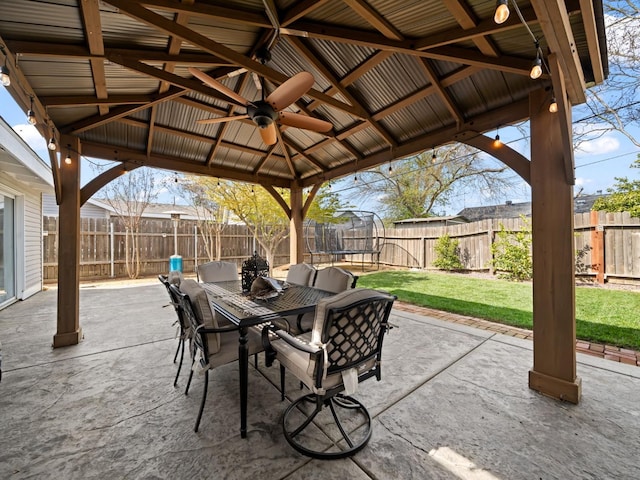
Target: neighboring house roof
point(581, 204)
point(449, 220)
point(19, 161)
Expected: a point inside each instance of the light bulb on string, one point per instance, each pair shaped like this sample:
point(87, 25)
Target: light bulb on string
point(502, 12)
point(67, 159)
point(31, 116)
point(553, 106)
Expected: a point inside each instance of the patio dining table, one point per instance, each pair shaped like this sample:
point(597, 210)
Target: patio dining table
point(228, 299)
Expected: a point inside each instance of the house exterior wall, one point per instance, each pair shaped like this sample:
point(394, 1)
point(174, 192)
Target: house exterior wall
point(28, 220)
point(88, 210)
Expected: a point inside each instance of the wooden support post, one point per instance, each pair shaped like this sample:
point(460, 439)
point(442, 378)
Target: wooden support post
point(68, 326)
point(554, 323)
point(597, 247)
point(296, 243)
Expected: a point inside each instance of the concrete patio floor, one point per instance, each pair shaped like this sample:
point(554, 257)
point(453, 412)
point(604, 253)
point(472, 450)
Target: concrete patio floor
point(453, 403)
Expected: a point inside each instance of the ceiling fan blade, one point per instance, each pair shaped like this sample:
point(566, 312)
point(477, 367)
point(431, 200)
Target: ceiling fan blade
point(269, 135)
point(291, 90)
point(218, 86)
point(304, 121)
point(209, 121)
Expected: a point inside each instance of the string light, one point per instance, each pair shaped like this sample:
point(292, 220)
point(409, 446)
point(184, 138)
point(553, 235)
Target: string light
point(502, 12)
point(52, 144)
point(31, 116)
point(536, 67)
point(553, 106)
point(5, 78)
point(390, 168)
point(355, 178)
point(67, 159)
point(497, 143)
point(433, 155)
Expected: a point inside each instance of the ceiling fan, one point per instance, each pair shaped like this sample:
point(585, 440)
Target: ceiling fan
point(266, 112)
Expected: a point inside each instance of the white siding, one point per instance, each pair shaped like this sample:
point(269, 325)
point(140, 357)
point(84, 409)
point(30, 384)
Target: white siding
point(88, 210)
point(28, 217)
point(32, 244)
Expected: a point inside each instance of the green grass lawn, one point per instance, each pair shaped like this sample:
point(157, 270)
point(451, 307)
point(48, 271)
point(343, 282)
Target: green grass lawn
point(603, 315)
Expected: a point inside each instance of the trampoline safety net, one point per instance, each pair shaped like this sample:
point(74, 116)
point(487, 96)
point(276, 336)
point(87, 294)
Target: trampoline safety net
point(348, 232)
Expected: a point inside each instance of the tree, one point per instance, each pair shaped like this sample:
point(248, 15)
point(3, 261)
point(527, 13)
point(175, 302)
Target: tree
point(615, 104)
point(212, 218)
point(259, 211)
point(417, 186)
point(129, 196)
point(625, 196)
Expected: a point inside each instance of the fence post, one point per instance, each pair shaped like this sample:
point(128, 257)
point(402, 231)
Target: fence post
point(597, 247)
point(490, 243)
point(111, 250)
point(195, 244)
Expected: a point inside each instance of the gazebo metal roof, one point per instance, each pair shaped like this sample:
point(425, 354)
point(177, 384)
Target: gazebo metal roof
point(393, 77)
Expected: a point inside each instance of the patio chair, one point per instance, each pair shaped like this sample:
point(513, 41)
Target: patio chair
point(301, 274)
point(212, 345)
point(342, 350)
point(331, 279)
point(175, 278)
point(217, 272)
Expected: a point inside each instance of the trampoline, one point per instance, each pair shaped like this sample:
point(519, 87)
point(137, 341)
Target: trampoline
point(348, 233)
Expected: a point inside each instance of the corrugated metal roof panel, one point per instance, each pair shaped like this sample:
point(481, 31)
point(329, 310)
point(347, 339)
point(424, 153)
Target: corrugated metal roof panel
point(410, 17)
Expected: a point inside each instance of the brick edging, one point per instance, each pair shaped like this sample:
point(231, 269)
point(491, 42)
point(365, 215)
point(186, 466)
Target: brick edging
point(608, 352)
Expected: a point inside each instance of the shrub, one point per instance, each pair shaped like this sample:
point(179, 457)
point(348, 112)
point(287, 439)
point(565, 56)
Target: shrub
point(447, 254)
point(512, 253)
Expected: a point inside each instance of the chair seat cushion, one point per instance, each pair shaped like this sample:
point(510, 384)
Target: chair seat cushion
point(229, 343)
point(299, 362)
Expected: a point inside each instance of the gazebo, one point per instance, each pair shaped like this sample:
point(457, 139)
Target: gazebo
point(122, 80)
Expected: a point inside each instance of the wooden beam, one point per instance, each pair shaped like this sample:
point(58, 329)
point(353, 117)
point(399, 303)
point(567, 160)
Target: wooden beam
point(374, 19)
point(122, 154)
point(68, 330)
point(506, 115)
point(296, 234)
point(78, 52)
point(464, 56)
point(234, 14)
point(564, 117)
point(556, 27)
point(299, 10)
point(55, 170)
point(278, 198)
point(205, 43)
point(117, 113)
point(504, 153)
point(554, 321)
point(90, 14)
point(92, 187)
point(314, 57)
point(591, 32)
point(463, 14)
point(447, 99)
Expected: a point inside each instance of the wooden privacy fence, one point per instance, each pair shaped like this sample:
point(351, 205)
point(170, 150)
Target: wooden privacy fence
point(102, 247)
point(609, 244)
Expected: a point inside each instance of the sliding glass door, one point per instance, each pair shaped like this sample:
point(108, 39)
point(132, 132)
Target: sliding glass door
point(7, 249)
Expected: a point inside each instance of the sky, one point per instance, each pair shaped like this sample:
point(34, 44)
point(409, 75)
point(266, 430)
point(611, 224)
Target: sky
point(598, 162)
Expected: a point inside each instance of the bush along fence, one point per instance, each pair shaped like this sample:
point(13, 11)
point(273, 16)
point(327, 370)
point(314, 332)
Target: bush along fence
point(607, 246)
